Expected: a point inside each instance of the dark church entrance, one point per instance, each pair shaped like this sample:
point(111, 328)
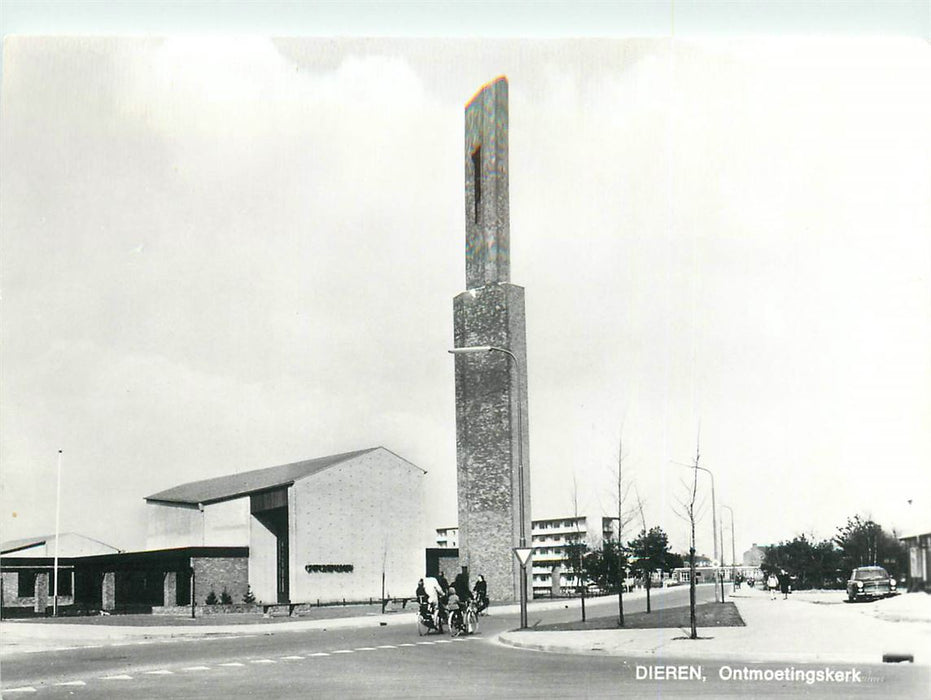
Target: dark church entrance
point(271, 510)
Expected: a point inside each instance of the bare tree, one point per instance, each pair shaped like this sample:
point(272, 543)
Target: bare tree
point(643, 520)
point(688, 510)
point(576, 550)
point(623, 490)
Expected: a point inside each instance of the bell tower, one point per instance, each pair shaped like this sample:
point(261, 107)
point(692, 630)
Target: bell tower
point(492, 445)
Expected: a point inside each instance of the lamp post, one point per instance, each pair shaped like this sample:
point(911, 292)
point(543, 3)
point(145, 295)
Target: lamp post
point(520, 461)
point(57, 538)
point(714, 512)
point(733, 546)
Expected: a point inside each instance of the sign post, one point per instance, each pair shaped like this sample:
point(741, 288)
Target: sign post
point(523, 557)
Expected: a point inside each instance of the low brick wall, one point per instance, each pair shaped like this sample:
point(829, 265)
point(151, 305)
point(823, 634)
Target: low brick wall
point(205, 610)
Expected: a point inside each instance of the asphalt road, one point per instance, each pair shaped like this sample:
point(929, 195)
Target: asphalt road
point(392, 661)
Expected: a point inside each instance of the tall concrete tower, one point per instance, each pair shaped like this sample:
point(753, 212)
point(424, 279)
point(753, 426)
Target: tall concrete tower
point(492, 444)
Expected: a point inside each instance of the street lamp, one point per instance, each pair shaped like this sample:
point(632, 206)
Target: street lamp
point(520, 462)
point(733, 546)
point(714, 516)
point(57, 538)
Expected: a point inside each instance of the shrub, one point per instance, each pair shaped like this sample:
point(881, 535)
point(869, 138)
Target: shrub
point(249, 597)
point(226, 598)
point(211, 598)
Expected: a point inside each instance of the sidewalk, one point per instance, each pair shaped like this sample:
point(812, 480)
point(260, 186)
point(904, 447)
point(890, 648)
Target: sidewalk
point(798, 629)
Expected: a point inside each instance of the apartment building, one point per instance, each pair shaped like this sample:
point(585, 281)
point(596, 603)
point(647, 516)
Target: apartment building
point(552, 573)
point(447, 537)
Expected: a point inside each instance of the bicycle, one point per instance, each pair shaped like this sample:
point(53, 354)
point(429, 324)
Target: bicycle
point(429, 619)
point(481, 605)
point(463, 621)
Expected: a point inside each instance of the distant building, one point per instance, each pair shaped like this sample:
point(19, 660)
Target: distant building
point(447, 537)
point(68, 544)
point(706, 573)
point(754, 555)
point(549, 537)
point(919, 559)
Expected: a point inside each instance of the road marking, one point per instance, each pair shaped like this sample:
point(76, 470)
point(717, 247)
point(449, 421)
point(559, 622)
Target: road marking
point(407, 644)
point(196, 668)
point(160, 672)
point(387, 646)
point(364, 649)
point(320, 653)
point(426, 642)
point(343, 651)
point(263, 661)
point(292, 657)
point(232, 663)
point(24, 689)
point(444, 641)
point(72, 683)
point(120, 677)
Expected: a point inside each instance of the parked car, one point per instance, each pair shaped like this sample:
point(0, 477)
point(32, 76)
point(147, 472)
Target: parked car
point(869, 582)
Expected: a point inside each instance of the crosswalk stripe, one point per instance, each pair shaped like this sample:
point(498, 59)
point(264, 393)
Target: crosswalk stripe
point(119, 677)
point(343, 651)
point(263, 661)
point(364, 649)
point(320, 653)
point(160, 672)
point(24, 689)
point(387, 646)
point(72, 683)
point(232, 663)
point(292, 657)
point(196, 668)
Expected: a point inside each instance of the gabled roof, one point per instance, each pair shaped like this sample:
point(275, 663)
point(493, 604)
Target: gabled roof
point(223, 488)
point(68, 538)
point(24, 543)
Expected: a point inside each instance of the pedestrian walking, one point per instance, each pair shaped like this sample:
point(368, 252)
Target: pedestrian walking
point(772, 583)
point(784, 583)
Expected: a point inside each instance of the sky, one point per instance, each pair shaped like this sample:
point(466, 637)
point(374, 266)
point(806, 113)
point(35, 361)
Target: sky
point(231, 253)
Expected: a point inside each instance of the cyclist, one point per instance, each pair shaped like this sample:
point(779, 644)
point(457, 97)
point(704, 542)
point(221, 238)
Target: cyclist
point(481, 593)
point(422, 599)
point(454, 605)
point(433, 596)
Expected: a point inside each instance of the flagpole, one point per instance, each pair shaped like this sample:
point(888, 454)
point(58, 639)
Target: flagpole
point(57, 536)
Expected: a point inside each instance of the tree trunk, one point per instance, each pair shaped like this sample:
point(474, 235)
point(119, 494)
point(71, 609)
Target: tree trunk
point(692, 621)
point(620, 590)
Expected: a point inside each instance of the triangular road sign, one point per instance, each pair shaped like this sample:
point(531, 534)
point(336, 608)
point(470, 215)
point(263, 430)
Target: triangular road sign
point(523, 555)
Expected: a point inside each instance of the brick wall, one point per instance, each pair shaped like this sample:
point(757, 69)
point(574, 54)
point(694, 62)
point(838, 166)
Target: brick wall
point(216, 573)
point(488, 389)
